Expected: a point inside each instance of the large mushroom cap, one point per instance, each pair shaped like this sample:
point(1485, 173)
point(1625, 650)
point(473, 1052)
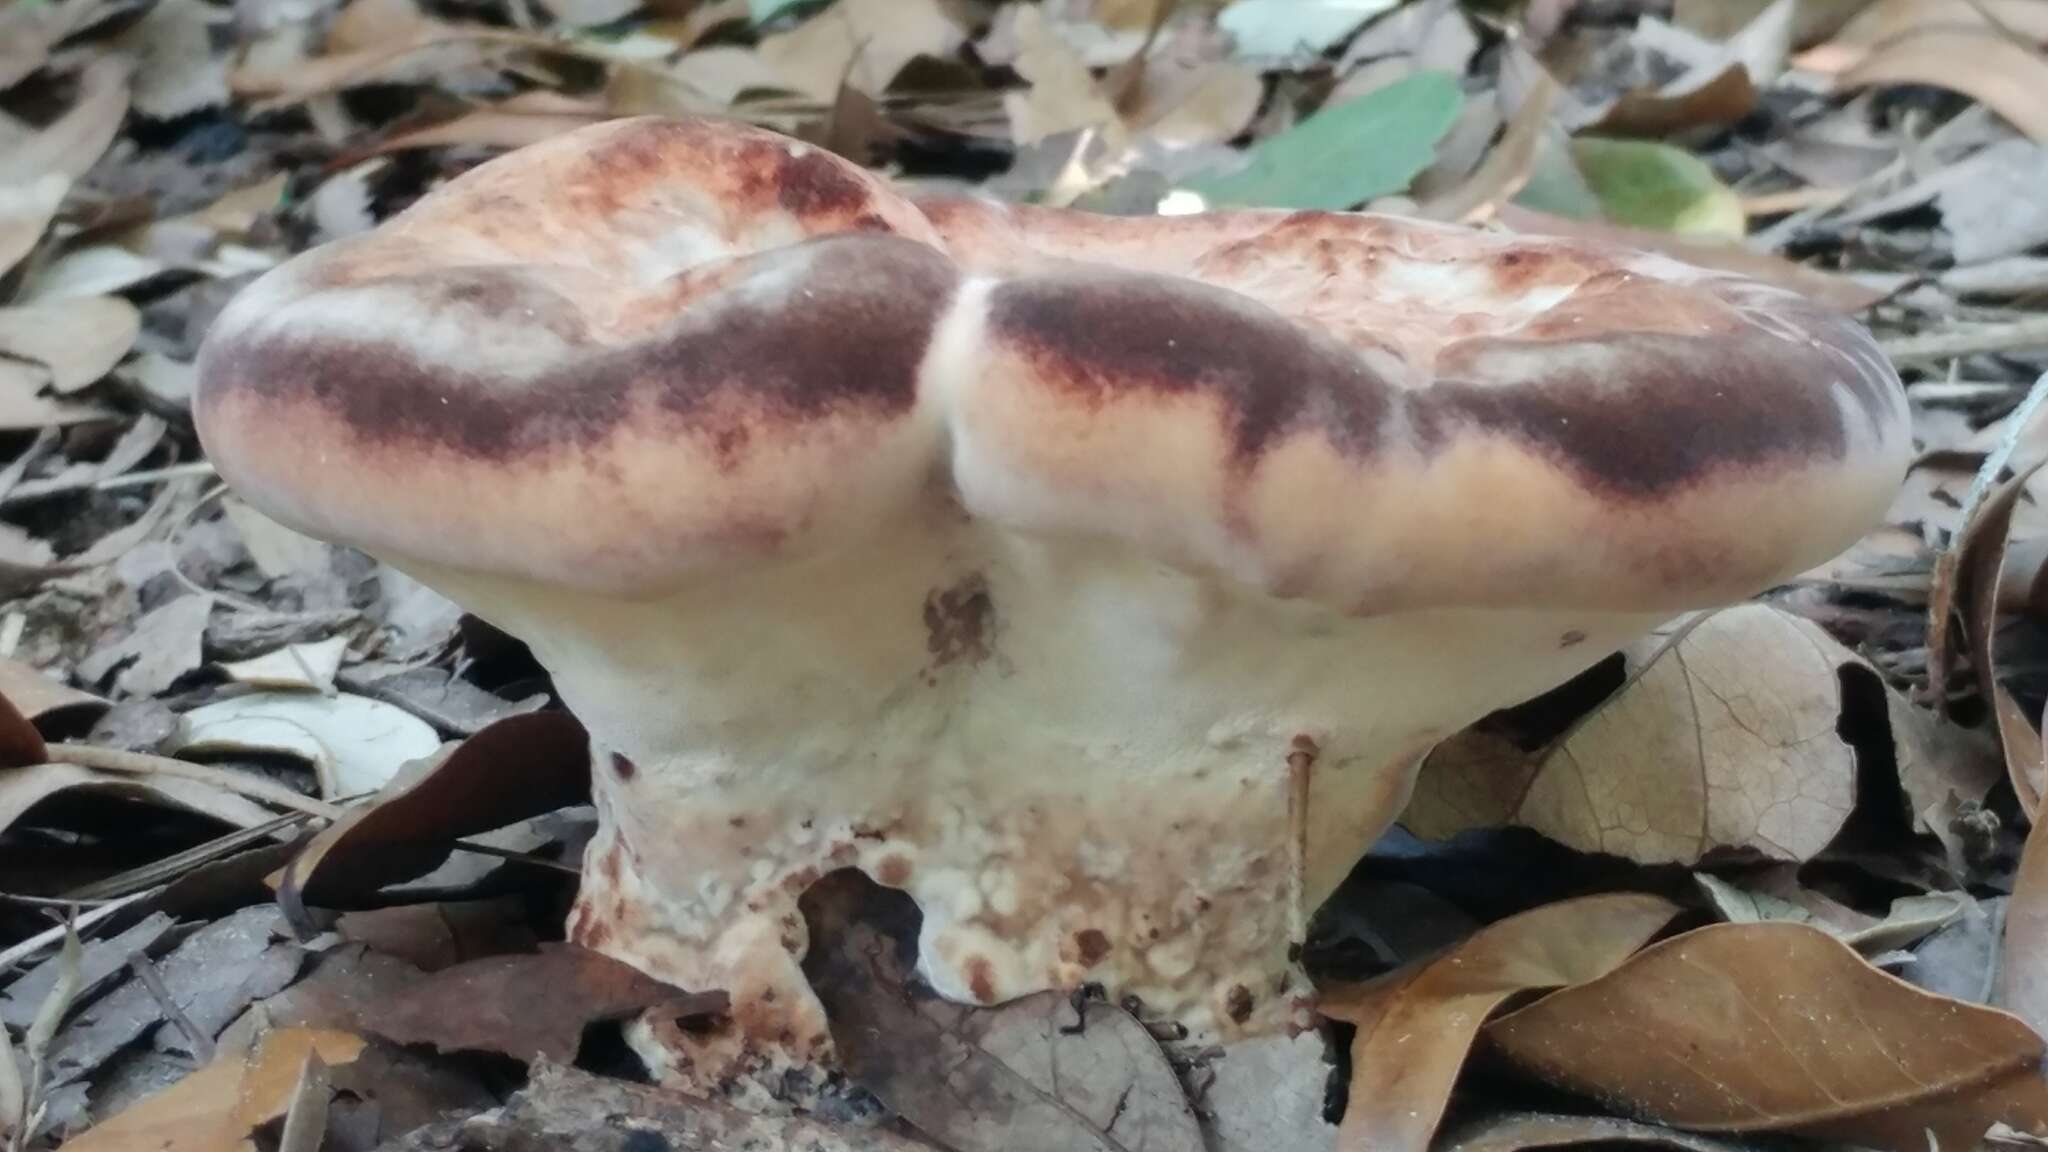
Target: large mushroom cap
point(1097, 581)
point(651, 346)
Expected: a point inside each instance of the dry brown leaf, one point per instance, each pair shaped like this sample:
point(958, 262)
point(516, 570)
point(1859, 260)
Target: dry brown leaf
point(23, 406)
point(2023, 974)
point(75, 141)
point(77, 340)
point(1063, 96)
point(1781, 1027)
point(21, 745)
point(23, 788)
point(518, 767)
point(1888, 22)
point(162, 646)
point(1028, 1076)
point(1723, 98)
point(44, 700)
point(1520, 1131)
point(1979, 559)
point(1507, 166)
point(723, 72)
point(25, 39)
point(1415, 1030)
point(26, 210)
point(176, 71)
point(861, 42)
point(2011, 79)
point(1837, 292)
point(531, 1006)
point(216, 1108)
point(528, 118)
point(97, 270)
point(1725, 740)
point(1213, 107)
point(1989, 205)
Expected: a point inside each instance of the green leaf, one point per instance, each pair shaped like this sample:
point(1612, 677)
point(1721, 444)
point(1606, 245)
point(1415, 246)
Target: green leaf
point(763, 11)
point(1648, 185)
point(1556, 185)
point(1343, 156)
point(1295, 27)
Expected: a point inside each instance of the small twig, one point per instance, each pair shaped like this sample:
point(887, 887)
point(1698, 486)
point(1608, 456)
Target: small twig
point(202, 1044)
point(36, 1044)
point(178, 864)
point(198, 468)
point(2030, 333)
point(41, 940)
point(239, 783)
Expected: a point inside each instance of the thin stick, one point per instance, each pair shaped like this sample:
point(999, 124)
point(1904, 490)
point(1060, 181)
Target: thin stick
point(41, 940)
point(2020, 335)
point(202, 1044)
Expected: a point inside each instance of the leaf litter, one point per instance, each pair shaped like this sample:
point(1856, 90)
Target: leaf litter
point(1845, 770)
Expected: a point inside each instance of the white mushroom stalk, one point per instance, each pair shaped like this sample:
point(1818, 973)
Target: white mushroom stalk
point(1098, 582)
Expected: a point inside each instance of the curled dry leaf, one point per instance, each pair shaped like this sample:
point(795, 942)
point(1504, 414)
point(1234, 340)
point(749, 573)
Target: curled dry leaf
point(1032, 1075)
point(528, 118)
point(1987, 66)
point(520, 766)
point(2023, 974)
point(529, 1006)
point(1781, 1027)
point(1725, 739)
point(26, 209)
point(74, 142)
point(1888, 22)
point(23, 788)
point(355, 744)
point(1416, 1026)
point(75, 341)
point(44, 701)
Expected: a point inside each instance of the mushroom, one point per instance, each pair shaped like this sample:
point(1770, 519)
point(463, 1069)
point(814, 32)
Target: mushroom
point(1099, 582)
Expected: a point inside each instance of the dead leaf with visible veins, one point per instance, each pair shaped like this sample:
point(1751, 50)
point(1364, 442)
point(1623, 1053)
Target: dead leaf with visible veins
point(518, 767)
point(1028, 1076)
point(1726, 739)
point(1781, 1028)
point(531, 1006)
point(1416, 1025)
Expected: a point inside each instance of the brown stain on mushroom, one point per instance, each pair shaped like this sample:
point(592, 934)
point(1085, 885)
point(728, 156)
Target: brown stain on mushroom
point(981, 979)
point(1238, 1003)
point(893, 872)
point(1092, 945)
point(622, 766)
point(959, 622)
